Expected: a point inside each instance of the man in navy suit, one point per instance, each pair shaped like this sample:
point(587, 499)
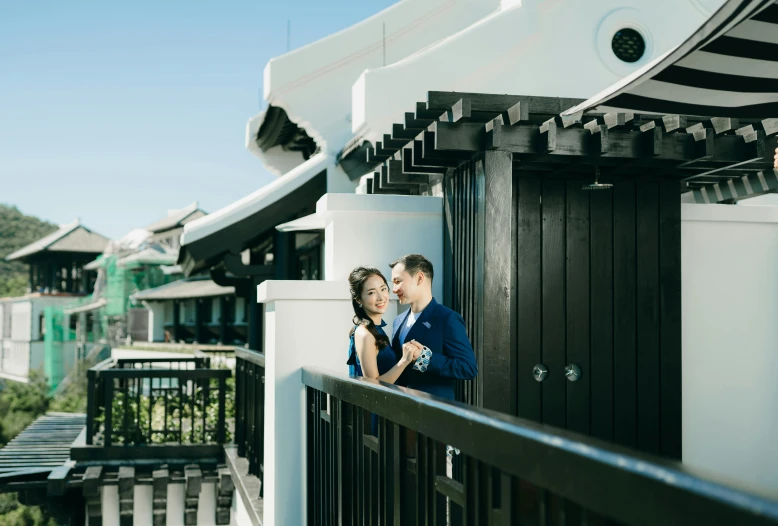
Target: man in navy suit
point(437, 331)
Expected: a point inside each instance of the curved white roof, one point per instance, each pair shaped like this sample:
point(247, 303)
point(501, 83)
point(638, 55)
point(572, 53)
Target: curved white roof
point(557, 49)
point(313, 83)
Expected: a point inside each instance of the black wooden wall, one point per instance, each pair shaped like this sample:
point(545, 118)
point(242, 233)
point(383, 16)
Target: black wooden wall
point(464, 257)
point(546, 273)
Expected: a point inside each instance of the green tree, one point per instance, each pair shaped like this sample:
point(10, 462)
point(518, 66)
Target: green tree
point(21, 404)
point(16, 231)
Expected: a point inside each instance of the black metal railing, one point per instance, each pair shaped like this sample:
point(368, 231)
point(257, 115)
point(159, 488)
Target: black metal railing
point(515, 471)
point(250, 408)
point(224, 357)
point(133, 402)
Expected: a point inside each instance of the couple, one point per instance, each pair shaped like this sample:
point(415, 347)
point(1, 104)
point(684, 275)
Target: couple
point(430, 348)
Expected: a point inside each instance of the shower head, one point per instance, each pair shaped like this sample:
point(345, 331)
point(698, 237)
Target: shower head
point(597, 185)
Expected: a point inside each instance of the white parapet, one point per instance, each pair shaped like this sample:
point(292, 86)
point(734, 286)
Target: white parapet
point(307, 324)
point(375, 230)
point(730, 303)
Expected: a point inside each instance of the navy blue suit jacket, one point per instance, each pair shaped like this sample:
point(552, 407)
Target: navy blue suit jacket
point(443, 331)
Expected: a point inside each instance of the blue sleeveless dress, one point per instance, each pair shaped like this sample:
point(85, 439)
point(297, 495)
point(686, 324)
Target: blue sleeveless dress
point(385, 360)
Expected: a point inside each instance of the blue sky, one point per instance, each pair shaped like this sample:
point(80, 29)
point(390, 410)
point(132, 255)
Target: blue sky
point(116, 111)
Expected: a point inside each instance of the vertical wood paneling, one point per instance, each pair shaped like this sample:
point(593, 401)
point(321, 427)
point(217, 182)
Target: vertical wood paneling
point(601, 317)
point(498, 360)
point(648, 316)
point(465, 223)
point(528, 298)
point(553, 301)
point(624, 312)
point(577, 305)
point(670, 318)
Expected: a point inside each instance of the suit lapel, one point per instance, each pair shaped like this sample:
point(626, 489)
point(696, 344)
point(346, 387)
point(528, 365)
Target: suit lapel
point(418, 326)
point(396, 336)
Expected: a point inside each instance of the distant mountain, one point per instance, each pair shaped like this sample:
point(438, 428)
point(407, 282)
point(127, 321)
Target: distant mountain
point(16, 231)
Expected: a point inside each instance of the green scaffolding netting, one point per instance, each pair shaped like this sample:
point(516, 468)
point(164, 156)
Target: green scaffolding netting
point(68, 337)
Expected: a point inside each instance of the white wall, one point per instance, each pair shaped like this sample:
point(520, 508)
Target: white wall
point(377, 229)
point(156, 320)
point(16, 360)
point(730, 343)
point(21, 321)
point(324, 307)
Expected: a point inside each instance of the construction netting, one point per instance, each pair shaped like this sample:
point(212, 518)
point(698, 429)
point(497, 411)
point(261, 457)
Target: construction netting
point(101, 318)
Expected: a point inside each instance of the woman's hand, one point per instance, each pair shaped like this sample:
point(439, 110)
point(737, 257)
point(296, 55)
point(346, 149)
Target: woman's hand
point(409, 350)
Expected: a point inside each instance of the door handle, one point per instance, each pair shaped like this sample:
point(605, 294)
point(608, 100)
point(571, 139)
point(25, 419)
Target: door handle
point(539, 372)
point(572, 372)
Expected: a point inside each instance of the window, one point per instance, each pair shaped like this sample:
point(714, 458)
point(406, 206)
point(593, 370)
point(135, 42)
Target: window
point(628, 45)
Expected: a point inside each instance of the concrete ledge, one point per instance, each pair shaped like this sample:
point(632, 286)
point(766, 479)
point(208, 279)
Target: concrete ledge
point(377, 204)
point(273, 290)
point(248, 486)
point(729, 213)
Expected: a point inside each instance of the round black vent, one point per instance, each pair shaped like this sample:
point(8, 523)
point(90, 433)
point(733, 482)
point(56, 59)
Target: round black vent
point(628, 45)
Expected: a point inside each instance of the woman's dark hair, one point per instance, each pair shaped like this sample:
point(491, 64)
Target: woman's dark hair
point(356, 281)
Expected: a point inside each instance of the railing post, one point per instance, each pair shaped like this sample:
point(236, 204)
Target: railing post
point(240, 409)
point(108, 410)
point(220, 438)
point(91, 378)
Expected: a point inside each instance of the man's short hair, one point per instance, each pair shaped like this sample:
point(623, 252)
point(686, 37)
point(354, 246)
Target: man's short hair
point(415, 263)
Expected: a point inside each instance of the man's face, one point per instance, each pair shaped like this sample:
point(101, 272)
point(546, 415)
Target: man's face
point(404, 285)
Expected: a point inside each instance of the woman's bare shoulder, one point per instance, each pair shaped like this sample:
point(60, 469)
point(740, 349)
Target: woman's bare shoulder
point(362, 334)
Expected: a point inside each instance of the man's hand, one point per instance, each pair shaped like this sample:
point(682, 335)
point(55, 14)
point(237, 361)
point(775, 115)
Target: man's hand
point(775, 159)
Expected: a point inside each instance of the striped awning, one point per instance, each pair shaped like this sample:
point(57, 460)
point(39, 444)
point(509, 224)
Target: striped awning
point(728, 68)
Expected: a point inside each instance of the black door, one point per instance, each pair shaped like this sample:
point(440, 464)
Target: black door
point(598, 334)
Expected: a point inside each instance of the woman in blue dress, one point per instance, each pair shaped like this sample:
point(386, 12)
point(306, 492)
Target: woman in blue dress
point(370, 352)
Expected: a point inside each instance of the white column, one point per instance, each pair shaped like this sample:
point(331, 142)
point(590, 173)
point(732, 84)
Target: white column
point(174, 509)
point(306, 324)
point(156, 320)
point(143, 500)
point(377, 229)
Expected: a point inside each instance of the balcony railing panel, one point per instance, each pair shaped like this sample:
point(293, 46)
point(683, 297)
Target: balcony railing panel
point(514, 471)
point(156, 401)
point(250, 408)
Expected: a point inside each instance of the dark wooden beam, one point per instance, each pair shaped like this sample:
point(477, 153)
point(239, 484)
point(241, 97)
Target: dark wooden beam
point(736, 189)
point(440, 100)
point(409, 167)
point(126, 493)
point(224, 490)
point(55, 482)
point(92, 490)
point(193, 484)
point(160, 480)
point(495, 224)
point(385, 184)
point(439, 159)
point(396, 175)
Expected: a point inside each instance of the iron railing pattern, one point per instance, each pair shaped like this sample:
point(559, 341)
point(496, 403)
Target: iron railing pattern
point(156, 401)
point(515, 471)
point(250, 408)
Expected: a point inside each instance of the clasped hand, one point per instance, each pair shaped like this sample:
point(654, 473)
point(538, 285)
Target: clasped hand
point(412, 350)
